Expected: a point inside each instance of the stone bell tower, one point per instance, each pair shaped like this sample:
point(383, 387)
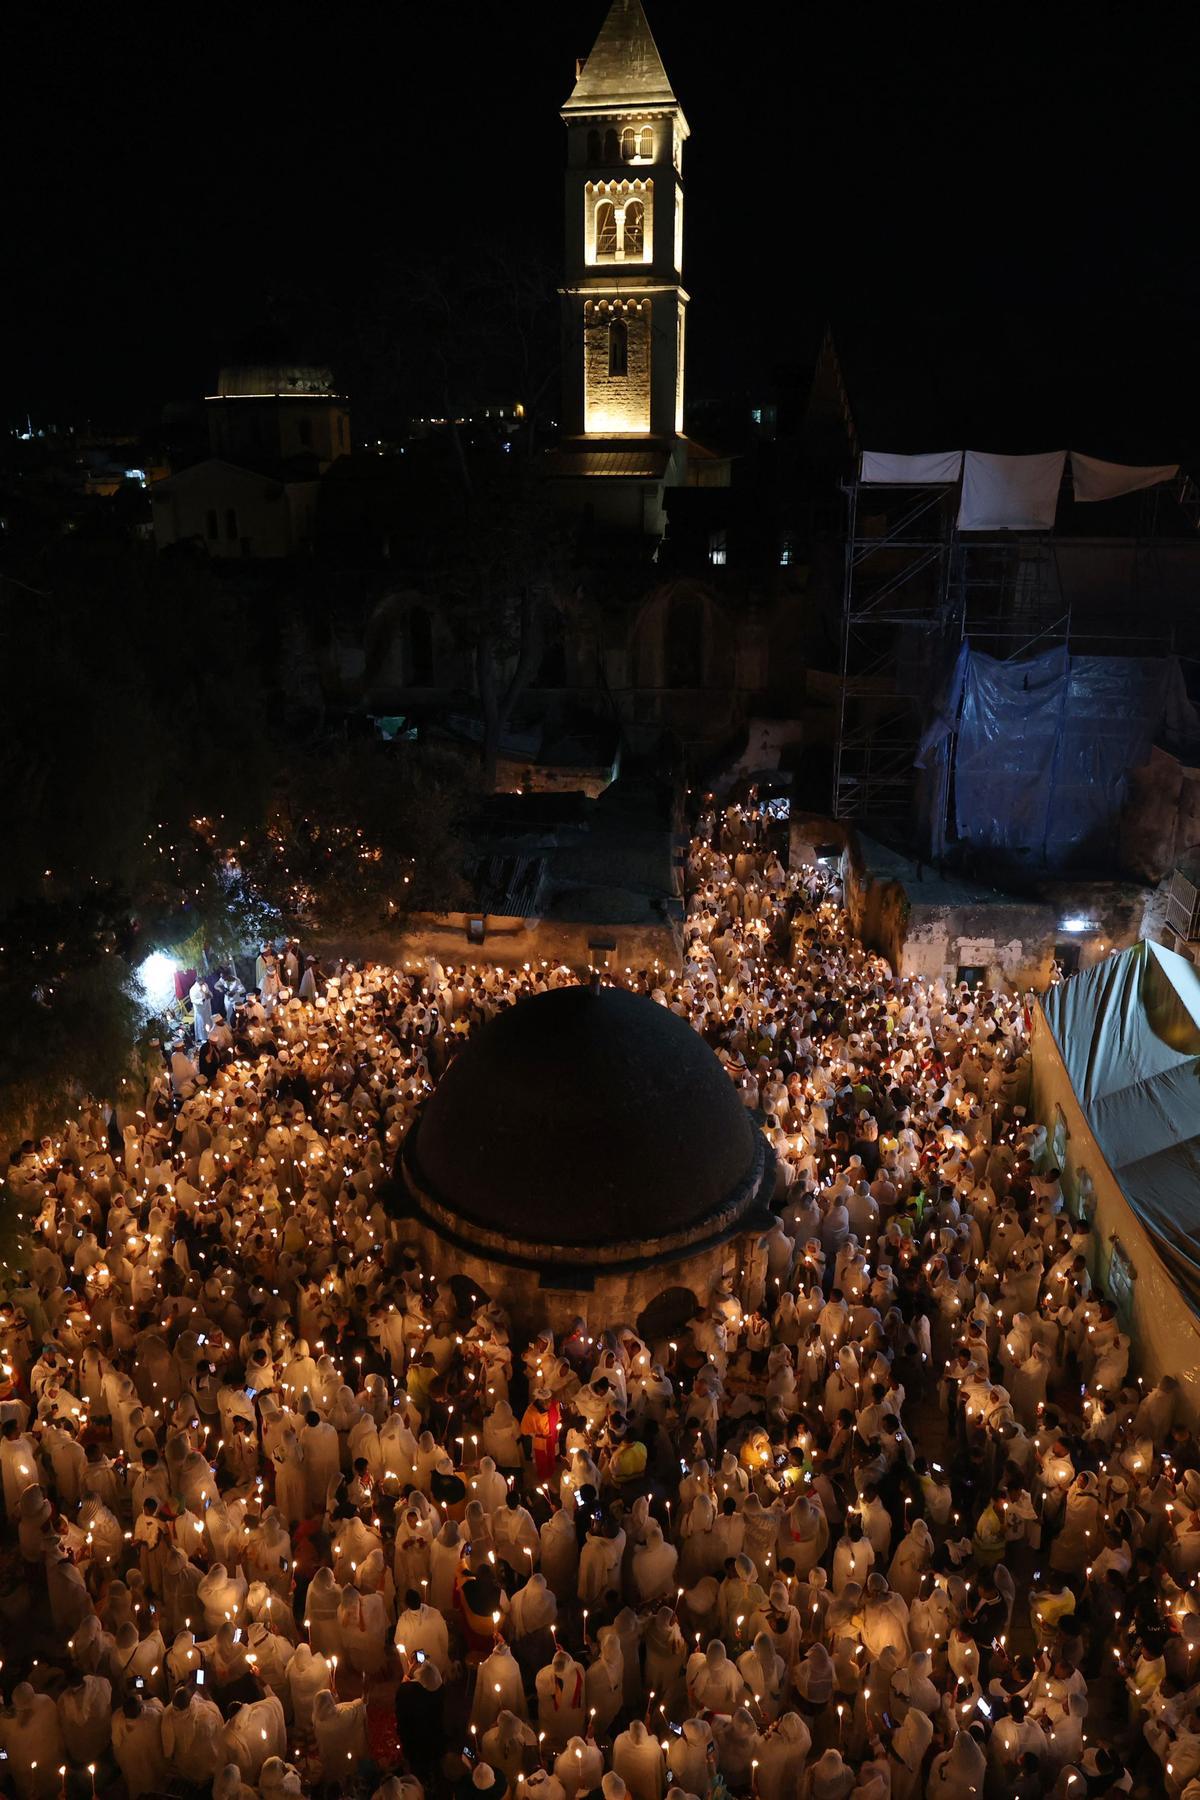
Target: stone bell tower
point(624, 305)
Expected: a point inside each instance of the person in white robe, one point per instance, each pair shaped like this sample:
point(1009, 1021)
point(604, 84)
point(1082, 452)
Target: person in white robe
point(691, 1757)
point(193, 1737)
point(637, 1758)
point(604, 1686)
point(308, 1674)
point(340, 1727)
point(253, 1732)
point(498, 1688)
point(959, 1772)
point(559, 1687)
point(782, 1758)
point(32, 1740)
point(322, 1461)
point(136, 1729)
point(600, 1565)
point(321, 1607)
point(654, 1563)
point(421, 1630)
point(579, 1767)
point(18, 1465)
point(714, 1681)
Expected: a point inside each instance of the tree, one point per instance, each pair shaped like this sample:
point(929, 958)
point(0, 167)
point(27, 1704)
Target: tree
point(358, 835)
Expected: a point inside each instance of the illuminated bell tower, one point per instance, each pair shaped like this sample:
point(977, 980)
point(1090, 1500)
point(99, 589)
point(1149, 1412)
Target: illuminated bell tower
point(624, 304)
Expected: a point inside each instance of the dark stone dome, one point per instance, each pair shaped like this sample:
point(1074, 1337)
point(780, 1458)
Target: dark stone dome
point(580, 1121)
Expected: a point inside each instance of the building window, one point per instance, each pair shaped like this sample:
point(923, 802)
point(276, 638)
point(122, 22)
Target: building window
point(646, 143)
point(306, 432)
point(606, 229)
point(211, 526)
point(786, 554)
point(618, 347)
point(612, 147)
point(629, 140)
point(594, 146)
point(231, 530)
point(718, 553)
point(635, 229)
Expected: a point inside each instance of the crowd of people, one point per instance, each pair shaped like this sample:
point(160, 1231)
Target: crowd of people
point(288, 1513)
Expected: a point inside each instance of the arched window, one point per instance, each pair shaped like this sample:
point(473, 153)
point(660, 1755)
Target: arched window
point(684, 657)
point(618, 347)
point(593, 147)
point(606, 229)
point(635, 228)
point(629, 140)
point(612, 147)
point(646, 142)
point(420, 646)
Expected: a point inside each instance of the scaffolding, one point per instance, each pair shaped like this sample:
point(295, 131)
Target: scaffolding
point(914, 588)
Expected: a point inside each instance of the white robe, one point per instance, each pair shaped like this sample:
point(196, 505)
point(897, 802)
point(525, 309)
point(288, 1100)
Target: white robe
point(638, 1759)
point(341, 1732)
point(193, 1739)
point(85, 1714)
point(307, 1676)
point(33, 1734)
point(137, 1746)
point(498, 1688)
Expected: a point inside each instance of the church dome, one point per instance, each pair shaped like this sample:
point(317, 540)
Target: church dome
point(584, 1126)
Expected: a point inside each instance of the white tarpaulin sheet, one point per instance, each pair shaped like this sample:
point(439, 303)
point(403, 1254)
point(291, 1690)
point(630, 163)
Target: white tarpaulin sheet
point(1128, 1032)
point(931, 466)
point(1096, 480)
point(1010, 493)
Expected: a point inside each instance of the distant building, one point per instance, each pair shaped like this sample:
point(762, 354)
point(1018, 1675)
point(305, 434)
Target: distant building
point(273, 431)
point(624, 303)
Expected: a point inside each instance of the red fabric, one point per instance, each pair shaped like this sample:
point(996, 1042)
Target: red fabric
point(382, 1741)
point(183, 982)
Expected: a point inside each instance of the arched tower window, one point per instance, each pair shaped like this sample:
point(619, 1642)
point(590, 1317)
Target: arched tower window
point(606, 229)
point(618, 347)
point(646, 142)
point(612, 147)
point(629, 143)
point(635, 228)
point(420, 646)
point(594, 146)
point(684, 648)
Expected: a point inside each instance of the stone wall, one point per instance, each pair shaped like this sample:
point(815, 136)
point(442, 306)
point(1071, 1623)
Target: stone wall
point(1160, 820)
point(534, 1299)
point(616, 404)
point(510, 942)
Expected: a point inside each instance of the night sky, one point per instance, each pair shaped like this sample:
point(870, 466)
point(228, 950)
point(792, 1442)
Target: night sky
point(996, 221)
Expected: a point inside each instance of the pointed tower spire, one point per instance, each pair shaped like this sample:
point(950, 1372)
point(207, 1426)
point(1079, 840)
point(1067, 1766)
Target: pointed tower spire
point(624, 68)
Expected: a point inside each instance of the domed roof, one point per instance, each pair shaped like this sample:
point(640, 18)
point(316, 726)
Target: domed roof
point(582, 1120)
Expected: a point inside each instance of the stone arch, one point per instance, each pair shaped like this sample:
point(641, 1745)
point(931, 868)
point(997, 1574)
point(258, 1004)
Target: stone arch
point(612, 147)
point(606, 229)
point(667, 1315)
point(635, 228)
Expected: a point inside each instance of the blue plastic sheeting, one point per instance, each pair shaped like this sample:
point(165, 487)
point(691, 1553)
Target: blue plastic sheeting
point(1045, 748)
